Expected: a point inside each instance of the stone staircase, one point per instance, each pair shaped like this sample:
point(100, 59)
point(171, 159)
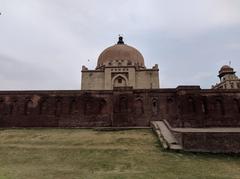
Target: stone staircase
point(165, 136)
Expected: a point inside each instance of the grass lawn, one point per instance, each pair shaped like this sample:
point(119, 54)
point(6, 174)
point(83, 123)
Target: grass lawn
point(80, 153)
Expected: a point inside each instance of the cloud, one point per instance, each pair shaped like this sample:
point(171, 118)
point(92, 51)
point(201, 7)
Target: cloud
point(186, 38)
point(23, 75)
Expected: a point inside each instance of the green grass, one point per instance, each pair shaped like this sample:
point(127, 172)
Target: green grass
point(89, 154)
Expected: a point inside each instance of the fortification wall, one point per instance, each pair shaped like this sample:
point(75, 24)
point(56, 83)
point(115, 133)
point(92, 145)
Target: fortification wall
point(184, 106)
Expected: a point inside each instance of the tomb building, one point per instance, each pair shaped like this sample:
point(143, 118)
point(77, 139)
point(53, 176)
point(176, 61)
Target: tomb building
point(120, 66)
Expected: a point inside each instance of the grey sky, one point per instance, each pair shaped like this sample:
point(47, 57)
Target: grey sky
point(44, 43)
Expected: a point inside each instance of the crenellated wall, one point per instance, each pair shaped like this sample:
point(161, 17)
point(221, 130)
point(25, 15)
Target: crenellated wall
point(184, 106)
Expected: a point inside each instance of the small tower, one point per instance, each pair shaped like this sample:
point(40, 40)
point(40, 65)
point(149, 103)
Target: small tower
point(228, 79)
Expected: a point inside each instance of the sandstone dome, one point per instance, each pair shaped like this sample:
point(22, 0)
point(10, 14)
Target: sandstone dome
point(120, 54)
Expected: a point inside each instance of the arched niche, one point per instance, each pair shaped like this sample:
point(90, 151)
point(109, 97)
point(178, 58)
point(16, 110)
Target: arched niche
point(43, 106)
point(119, 81)
point(155, 106)
point(58, 107)
point(28, 107)
point(138, 106)
point(102, 106)
point(191, 105)
point(169, 107)
point(236, 105)
point(123, 104)
point(219, 108)
point(13, 107)
point(1, 106)
point(204, 106)
point(73, 106)
point(88, 107)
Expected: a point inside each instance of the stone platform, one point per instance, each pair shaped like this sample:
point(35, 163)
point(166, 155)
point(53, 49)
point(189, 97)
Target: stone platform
point(216, 139)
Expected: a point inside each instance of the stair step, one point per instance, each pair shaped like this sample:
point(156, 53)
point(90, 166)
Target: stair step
point(165, 136)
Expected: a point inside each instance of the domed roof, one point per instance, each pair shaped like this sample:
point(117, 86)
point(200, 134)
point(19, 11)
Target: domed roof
point(225, 69)
point(120, 52)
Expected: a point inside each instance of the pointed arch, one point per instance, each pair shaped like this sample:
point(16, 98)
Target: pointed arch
point(58, 107)
point(1, 106)
point(191, 105)
point(219, 108)
point(204, 106)
point(123, 104)
point(169, 105)
point(138, 105)
point(155, 106)
point(28, 106)
point(13, 107)
point(119, 81)
point(236, 105)
point(73, 106)
point(102, 106)
point(43, 107)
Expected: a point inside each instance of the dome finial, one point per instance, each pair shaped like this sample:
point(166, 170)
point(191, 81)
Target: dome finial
point(120, 40)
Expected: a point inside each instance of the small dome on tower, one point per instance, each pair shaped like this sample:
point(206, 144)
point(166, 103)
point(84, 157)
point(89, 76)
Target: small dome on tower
point(120, 52)
point(226, 69)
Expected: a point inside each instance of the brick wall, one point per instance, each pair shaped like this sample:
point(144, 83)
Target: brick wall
point(212, 142)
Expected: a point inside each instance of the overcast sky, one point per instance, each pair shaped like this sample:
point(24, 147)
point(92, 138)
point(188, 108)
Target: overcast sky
point(44, 43)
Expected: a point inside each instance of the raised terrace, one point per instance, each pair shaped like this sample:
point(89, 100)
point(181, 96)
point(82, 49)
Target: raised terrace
point(189, 112)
